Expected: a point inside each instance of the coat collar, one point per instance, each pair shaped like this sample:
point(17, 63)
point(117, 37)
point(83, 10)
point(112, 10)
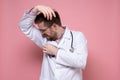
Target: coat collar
point(66, 36)
point(66, 33)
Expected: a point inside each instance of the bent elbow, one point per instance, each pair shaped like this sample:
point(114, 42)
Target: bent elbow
point(81, 63)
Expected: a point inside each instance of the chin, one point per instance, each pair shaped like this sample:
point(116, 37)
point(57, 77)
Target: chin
point(51, 39)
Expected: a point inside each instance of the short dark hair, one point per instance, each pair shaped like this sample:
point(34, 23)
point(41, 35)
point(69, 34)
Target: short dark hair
point(40, 18)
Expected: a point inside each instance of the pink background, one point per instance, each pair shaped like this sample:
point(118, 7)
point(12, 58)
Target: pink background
point(99, 20)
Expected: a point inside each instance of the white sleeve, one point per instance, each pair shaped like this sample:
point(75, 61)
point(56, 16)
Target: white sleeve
point(27, 27)
point(76, 59)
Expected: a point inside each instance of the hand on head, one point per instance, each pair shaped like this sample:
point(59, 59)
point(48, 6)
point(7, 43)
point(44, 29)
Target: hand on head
point(45, 10)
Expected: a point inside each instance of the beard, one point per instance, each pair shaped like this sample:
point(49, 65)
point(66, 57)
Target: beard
point(52, 37)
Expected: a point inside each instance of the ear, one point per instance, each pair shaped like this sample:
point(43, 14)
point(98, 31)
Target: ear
point(36, 25)
point(54, 26)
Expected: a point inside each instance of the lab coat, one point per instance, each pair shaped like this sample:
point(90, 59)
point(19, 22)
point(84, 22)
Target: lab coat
point(66, 65)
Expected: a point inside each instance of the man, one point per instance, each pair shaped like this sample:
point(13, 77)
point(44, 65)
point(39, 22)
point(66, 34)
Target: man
point(64, 51)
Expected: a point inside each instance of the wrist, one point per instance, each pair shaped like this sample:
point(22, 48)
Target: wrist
point(33, 11)
point(56, 52)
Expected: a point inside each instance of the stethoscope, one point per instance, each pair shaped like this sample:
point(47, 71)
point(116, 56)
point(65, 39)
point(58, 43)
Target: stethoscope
point(72, 48)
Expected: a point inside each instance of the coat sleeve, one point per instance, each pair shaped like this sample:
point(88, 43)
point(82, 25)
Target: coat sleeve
point(76, 59)
point(26, 25)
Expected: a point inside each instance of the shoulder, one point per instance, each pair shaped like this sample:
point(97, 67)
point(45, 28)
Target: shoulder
point(79, 36)
point(77, 33)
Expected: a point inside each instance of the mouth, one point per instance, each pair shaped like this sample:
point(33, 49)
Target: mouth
point(46, 36)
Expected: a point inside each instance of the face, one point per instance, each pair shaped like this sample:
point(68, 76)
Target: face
point(47, 32)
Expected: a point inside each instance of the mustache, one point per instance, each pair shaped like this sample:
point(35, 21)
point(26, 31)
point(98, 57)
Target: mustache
point(45, 35)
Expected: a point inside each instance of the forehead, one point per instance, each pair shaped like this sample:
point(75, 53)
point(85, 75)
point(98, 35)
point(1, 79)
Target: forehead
point(41, 25)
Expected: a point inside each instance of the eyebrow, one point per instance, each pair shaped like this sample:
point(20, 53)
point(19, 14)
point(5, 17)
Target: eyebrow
point(43, 29)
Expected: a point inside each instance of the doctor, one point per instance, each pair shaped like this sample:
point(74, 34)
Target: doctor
point(65, 51)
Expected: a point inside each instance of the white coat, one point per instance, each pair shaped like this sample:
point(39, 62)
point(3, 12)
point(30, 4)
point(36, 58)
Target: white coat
point(66, 65)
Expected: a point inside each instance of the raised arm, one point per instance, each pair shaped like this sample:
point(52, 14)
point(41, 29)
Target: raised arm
point(27, 23)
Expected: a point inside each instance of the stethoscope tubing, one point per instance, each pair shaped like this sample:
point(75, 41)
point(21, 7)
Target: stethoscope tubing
point(72, 48)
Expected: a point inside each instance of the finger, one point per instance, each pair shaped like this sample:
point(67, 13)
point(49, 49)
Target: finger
point(43, 48)
point(38, 13)
point(43, 12)
point(46, 13)
point(51, 13)
point(44, 51)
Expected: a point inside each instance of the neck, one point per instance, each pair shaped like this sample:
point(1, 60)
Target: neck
point(61, 31)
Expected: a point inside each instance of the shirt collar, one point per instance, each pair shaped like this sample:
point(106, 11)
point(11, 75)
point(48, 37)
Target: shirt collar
point(66, 34)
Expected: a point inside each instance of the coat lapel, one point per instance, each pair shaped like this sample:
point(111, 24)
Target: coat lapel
point(65, 38)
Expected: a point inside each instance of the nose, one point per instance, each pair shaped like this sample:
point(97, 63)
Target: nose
point(42, 33)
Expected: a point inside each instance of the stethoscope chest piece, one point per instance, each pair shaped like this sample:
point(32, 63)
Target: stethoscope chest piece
point(71, 50)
